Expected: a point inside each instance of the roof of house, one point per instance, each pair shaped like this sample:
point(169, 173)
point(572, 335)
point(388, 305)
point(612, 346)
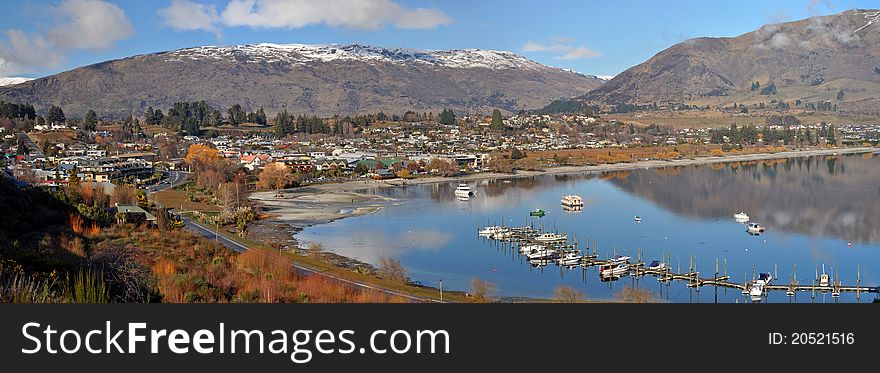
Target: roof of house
point(135, 210)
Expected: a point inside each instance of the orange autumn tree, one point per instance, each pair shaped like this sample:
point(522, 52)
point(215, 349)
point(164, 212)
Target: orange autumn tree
point(276, 176)
point(202, 157)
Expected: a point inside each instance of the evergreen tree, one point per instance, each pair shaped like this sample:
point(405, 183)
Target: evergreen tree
point(497, 122)
point(261, 117)
point(831, 139)
point(55, 115)
point(90, 121)
point(447, 117)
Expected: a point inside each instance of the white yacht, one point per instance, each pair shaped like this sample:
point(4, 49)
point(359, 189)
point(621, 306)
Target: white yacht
point(525, 249)
point(551, 237)
point(657, 265)
point(570, 258)
point(463, 190)
point(756, 291)
point(543, 253)
point(572, 200)
point(616, 266)
point(741, 217)
point(755, 228)
point(492, 230)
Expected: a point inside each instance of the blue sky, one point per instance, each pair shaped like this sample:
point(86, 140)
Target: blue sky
point(38, 38)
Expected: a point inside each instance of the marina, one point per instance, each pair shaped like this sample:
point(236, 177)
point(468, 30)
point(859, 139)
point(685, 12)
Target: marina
point(686, 212)
point(527, 240)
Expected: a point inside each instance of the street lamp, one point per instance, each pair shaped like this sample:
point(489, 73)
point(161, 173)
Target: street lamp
point(441, 289)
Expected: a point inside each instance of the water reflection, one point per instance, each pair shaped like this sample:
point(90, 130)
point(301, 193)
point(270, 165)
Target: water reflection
point(811, 208)
point(833, 196)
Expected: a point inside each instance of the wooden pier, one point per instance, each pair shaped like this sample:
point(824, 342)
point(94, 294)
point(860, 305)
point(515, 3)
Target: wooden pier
point(517, 237)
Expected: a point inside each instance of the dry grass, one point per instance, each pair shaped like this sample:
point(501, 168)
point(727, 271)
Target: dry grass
point(578, 157)
point(174, 198)
point(189, 268)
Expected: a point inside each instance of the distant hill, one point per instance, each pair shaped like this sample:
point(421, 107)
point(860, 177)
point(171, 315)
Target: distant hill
point(811, 60)
point(311, 79)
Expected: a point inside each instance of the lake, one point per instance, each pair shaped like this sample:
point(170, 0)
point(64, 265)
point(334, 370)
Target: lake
point(817, 211)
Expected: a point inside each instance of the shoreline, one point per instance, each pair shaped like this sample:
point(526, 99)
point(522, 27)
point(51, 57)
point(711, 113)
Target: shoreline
point(311, 205)
point(354, 186)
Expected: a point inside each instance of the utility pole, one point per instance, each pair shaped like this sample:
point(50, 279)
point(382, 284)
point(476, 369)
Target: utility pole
point(441, 289)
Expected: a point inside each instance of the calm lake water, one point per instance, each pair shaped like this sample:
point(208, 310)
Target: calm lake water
point(817, 210)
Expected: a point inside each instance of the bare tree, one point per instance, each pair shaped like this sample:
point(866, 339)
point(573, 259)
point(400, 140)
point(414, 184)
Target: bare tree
point(482, 291)
point(316, 249)
point(567, 294)
point(630, 294)
point(391, 269)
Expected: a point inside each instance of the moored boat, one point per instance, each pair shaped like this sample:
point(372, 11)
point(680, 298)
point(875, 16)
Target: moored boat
point(551, 237)
point(463, 190)
point(572, 200)
point(543, 253)
point(824, 279)
point(491, 230)
point(755, 228)
point(570, 258)
point(615, 267)
point(741, 217)
point(538, 212)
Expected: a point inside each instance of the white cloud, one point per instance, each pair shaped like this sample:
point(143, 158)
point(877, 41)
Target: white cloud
point(564, 46)
point(355, 14)
point(580, 53)
point(21, 53)
point(89, 24)
point(185, 15)
point(76, 24)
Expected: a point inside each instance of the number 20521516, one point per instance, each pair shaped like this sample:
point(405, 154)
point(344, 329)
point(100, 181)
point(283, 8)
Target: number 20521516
point(812, 338)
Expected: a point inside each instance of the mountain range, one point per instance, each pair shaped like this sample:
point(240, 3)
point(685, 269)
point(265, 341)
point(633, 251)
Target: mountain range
point(311, 79)
point(811, 60)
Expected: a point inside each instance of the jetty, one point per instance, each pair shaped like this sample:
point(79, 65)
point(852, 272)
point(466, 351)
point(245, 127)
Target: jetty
point(566, 252)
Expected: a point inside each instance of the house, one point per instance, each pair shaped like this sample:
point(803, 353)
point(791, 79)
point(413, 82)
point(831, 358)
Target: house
point(134, 215)
point(326, 164)
point(256, 161)
point(383, 173)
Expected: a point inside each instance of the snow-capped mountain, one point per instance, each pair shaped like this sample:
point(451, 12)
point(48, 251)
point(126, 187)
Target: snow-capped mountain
point(308, 79)
point(13, 80)
point(305, 54)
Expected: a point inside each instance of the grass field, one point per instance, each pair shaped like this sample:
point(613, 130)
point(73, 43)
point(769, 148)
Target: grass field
point(175, 198)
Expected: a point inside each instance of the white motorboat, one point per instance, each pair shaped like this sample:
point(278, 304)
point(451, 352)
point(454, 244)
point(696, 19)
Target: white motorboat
point(570, 258)
point(572, 208)
point(572, 200)
point(491, 230)
point(551, 237)
point(525, 249)
point(741, 217)
point(463, 190)
point(637, 219)
point(615, 267)
point(543, 253)
point(756, 291)
point(824, 279)
point(755, 228)
point(657, 265)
